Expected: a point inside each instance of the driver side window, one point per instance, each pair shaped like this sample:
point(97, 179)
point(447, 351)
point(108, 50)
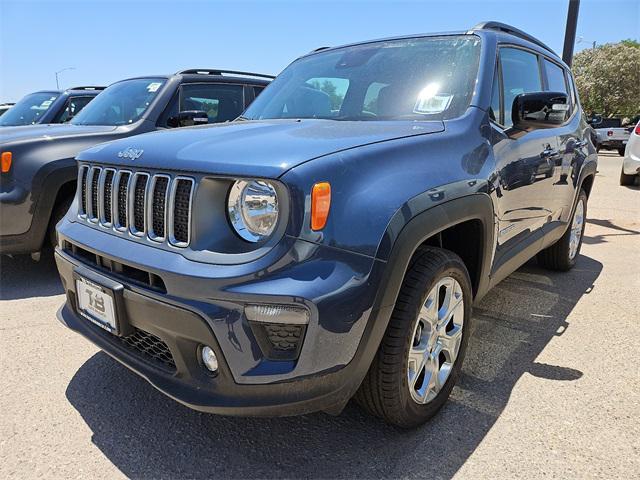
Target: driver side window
point(520, 74)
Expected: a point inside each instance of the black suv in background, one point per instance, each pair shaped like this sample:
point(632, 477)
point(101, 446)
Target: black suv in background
point(38, 178)
point(49, 106)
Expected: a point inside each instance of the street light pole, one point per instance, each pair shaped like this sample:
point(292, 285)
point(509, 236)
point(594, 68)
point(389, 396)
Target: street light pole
point(60, 71)
point(570, 31)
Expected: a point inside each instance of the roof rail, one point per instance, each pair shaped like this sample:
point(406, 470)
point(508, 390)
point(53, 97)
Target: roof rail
point(216, 71)
point(87, 87)
point(503, 27)
point(319, 49)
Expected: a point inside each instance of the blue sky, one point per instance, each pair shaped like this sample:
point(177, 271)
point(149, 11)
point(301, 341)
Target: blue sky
point(109, 40)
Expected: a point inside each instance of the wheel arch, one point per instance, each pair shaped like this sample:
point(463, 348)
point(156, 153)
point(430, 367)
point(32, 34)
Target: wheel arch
point(438, 226)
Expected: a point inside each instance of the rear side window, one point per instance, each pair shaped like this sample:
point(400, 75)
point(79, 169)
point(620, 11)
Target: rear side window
point(72, 108)
point(520, 74)
point(556, 81)
point(555, 77)
point(221, 102)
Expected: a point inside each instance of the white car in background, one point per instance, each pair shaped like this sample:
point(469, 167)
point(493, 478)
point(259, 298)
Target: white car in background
point(631, 162)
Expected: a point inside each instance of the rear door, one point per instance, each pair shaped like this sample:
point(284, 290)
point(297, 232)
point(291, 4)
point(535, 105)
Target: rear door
point(526, 162)
point(572, 140)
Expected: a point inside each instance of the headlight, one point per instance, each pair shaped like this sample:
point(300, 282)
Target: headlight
point(253, 209)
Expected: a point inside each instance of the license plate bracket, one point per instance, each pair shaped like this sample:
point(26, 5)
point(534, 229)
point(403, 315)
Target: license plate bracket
point(101, 301)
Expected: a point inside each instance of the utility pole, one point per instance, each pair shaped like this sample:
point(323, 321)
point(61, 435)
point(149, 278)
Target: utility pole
point(570, 31)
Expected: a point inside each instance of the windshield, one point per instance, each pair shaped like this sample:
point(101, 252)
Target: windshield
point(120, 104)
point(411, 79)
point(29, 109)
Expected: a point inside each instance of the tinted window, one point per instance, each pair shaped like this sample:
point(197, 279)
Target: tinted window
point(414, 79)
point(222, 102)
point(520, 74)
point(494, 110)
point(29, 109)
point(555, 77)
point(72, 108)
point(258, 90)
point(121, 103)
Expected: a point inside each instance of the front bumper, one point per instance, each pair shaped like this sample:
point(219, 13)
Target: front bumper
point(334, 357)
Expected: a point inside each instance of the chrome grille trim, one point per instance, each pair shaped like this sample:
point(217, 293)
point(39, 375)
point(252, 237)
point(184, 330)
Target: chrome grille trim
point(93, 194)
point(102, 196)
point(83, 173)
point(121, 225)
point(133, 191)
point(153, 235)
point(171, 218)
point(172, 207)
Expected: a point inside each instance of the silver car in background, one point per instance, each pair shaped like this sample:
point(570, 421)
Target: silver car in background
point(631, 162)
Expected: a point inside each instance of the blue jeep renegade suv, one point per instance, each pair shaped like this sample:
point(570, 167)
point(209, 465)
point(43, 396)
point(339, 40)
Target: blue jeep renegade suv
point(330, 242)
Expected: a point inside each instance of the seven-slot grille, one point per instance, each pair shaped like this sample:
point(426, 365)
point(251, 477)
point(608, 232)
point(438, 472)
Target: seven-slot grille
point(156, 206)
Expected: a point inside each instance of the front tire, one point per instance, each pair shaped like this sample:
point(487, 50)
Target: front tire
point(421, 353)
point(562, 255)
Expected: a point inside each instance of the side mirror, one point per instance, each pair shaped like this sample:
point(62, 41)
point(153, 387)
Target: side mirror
point(188, 118)
point(535, 110)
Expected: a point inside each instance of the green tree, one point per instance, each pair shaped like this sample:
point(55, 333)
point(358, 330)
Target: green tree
point(608, 78)
point(330, 89)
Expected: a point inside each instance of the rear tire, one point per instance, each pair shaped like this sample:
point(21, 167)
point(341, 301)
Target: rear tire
point(621, 152)
point(423, 348)
point(562, 255)
point(626, 179)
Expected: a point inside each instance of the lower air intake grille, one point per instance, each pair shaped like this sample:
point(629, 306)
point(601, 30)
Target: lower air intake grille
point(181, 207)
point(279, 341)
point(283, 338)
point(150, 346)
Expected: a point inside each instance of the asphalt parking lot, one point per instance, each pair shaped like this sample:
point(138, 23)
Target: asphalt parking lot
point(550, 387)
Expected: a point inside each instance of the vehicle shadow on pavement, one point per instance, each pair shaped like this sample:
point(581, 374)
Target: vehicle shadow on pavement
point(617, 231)
point(148, 435)
point(21, 277)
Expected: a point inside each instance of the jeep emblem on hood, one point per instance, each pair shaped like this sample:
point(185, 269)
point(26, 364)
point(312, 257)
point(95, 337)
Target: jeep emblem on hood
point(130, 153)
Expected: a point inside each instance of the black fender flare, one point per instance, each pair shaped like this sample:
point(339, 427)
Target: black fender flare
point(430, 222)
point(405, 240)
point(46, 186)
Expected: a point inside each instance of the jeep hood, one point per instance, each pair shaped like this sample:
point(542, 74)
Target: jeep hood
point(49, 131)
point(265, 148)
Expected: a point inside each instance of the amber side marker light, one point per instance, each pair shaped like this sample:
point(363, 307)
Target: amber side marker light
point(6, 161)
point(320, 203)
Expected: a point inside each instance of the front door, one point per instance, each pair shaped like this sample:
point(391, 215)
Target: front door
point(527, 163)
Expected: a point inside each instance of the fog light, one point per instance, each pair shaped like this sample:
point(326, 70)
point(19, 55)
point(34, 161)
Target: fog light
point(209, 359)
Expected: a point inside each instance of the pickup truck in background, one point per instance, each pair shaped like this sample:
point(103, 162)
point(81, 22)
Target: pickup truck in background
point(610, 134)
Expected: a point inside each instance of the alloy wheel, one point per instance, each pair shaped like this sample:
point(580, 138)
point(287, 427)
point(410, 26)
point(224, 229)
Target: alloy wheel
point(436, 339)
